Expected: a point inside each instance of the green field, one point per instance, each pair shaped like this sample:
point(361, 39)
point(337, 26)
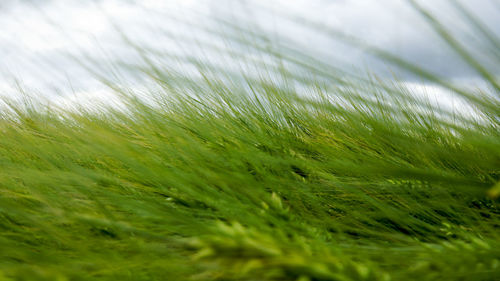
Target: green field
point(232, 176)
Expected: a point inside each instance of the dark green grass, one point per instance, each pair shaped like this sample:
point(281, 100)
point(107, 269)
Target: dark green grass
point(225, 178)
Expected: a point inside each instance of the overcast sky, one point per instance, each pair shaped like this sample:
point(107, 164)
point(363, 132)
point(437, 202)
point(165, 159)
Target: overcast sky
point(36, 36)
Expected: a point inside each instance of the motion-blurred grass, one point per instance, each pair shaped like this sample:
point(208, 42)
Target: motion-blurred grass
point(236, 176)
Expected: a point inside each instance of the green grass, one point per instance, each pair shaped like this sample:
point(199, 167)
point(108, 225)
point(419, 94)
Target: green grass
point(233, 177)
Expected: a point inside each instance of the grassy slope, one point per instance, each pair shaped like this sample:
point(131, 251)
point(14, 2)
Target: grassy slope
point(230, 186)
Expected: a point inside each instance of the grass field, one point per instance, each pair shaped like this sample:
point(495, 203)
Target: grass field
point(233, 176)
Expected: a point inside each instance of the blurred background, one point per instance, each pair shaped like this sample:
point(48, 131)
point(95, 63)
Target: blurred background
point(44, 44)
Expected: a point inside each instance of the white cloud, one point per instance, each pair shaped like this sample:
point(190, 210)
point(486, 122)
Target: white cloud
point(31, 47)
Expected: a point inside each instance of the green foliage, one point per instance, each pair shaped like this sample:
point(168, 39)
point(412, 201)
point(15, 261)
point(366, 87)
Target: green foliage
point(233, 177)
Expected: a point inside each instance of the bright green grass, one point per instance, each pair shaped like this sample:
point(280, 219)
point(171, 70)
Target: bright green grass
point(216, 180)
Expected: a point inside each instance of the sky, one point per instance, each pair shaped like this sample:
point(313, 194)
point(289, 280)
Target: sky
point(40, 39)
